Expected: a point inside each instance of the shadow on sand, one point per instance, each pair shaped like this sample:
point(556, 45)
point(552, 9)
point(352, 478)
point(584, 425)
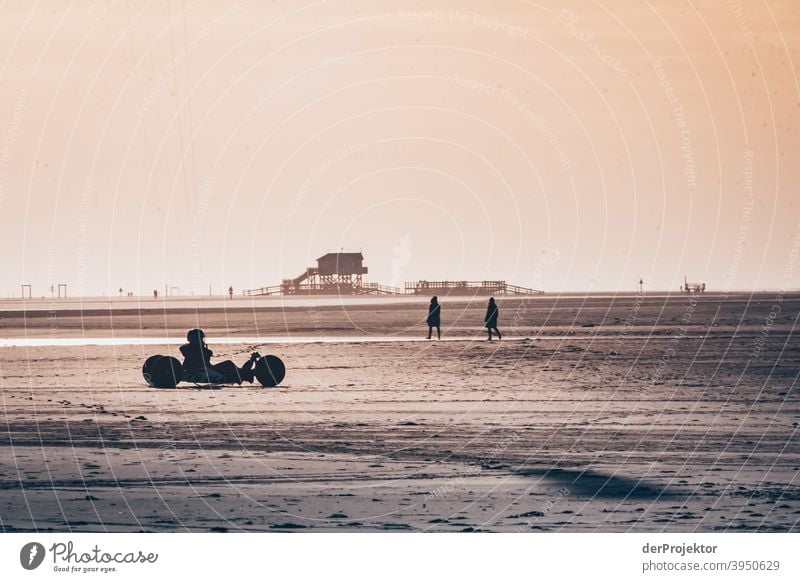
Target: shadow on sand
point(600, 485)
point(195, 387)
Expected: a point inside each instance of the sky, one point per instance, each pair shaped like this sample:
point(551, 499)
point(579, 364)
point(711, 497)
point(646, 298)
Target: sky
point(565, 146)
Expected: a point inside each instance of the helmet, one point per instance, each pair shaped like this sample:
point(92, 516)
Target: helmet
point(195, 336)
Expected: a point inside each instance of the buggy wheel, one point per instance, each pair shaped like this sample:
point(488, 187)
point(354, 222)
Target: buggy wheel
point(165, 372)
point(270, 371)
point(147, 369)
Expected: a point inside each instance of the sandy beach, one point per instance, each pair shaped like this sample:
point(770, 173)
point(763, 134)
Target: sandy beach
point(594, 413)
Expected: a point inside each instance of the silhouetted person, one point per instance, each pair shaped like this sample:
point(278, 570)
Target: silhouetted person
point(492, 312)
point(434, 318)
point(230, 292)
point(197, 360)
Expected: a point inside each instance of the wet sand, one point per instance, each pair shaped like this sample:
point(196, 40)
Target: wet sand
point(632, 413)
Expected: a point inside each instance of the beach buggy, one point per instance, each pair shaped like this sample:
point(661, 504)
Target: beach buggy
point(167, 372)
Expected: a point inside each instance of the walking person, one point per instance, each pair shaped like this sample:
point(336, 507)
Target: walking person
point(434, 318)
point(492, 312)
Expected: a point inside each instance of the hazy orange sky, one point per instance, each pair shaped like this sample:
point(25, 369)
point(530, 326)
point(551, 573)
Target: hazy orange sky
point(564, 146)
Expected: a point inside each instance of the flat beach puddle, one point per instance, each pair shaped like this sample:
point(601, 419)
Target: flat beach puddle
point(154, 341)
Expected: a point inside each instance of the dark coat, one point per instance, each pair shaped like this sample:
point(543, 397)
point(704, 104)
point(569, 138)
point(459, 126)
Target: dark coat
point(196, 356)
point(434, 315)
point(491, 315)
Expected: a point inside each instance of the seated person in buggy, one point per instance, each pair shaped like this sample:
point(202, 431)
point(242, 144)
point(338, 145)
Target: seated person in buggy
point(197, 366)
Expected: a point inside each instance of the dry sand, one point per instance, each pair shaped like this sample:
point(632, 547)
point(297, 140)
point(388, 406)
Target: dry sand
point(595, 413)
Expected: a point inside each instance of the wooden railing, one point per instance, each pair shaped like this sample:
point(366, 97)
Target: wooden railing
point(293, 287)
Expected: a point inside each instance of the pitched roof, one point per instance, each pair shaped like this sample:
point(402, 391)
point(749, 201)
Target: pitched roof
point(359, 255)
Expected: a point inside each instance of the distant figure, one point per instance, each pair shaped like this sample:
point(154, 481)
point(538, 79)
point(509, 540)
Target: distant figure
point(230, 291)
point(155, 293)
point(492, 312)
point(197, 362)
point(434, 318)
